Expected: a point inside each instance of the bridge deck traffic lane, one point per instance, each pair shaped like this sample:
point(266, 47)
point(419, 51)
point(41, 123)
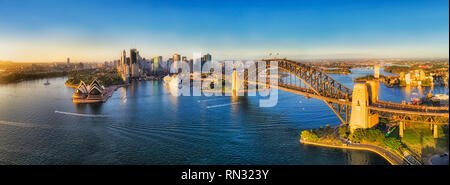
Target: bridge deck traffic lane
point(411, 112)
point(384, 103)
point(420, 109)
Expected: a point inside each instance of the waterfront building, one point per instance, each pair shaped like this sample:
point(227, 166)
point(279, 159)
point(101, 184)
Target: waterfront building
point(408, 79)
point(81, 91)
point(95, 91)
point(402, 76)
point(92, 92)
point(416, 78)
point(416, 74)
point(422, 75)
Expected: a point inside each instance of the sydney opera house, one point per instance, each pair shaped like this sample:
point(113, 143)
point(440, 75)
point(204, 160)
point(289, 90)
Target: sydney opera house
point(89, 93)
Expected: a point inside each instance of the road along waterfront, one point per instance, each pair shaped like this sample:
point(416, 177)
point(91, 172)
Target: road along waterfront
point(389, 156)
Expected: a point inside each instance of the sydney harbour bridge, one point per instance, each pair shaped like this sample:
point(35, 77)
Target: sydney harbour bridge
point(359, 107)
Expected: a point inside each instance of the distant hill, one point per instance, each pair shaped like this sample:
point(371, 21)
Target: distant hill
point(6, 61)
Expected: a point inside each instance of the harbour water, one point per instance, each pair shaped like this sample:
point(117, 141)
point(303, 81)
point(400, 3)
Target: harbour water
point(144, 124)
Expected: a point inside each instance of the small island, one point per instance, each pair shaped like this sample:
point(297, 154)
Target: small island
point(368, 78)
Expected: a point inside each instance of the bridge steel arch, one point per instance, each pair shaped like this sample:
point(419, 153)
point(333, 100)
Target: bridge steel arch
point(315, 83)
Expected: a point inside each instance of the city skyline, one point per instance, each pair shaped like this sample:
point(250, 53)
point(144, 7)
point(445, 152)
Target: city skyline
point(49, 31)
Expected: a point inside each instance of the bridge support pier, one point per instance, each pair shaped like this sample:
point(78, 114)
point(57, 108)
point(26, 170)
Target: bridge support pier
point(373, 87)
point(401, 128)
point(435, 131)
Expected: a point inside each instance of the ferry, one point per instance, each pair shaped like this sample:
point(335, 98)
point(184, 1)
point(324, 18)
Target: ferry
point(47, 83)
point(173, 82)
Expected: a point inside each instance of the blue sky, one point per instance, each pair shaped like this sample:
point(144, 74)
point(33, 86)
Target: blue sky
point(50, 30)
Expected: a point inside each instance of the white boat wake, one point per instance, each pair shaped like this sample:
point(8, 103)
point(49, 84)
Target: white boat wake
point(215, 99)
point(82, 115)
point(17, 124)
point(221, 105)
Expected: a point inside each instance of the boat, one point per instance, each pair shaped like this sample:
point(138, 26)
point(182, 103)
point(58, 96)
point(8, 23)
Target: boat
point(47, 83)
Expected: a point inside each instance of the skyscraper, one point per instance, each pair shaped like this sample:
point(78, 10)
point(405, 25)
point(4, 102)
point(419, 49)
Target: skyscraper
point(127, 66)
point(156, 62)
point(68, 60)
point(176, 57)
point(123, 61)
point(134, 63)
point(206, 58)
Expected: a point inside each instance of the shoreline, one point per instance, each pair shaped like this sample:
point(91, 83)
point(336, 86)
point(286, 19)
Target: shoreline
point(68, 85)
point(339, 73)
point(428, 160)
point(392, 158)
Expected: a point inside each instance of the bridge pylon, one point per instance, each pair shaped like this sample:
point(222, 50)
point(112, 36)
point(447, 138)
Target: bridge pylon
point(373, 87)
point(363, 95)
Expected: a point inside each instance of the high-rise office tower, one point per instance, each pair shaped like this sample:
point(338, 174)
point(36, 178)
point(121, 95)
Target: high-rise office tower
point(127, 66)
point(139, 65)
point(176, 59)
point(156, 63)
point(68, 60)
point(134, 63)
point(206, 58)
point(191, 64)
point(123, 61)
